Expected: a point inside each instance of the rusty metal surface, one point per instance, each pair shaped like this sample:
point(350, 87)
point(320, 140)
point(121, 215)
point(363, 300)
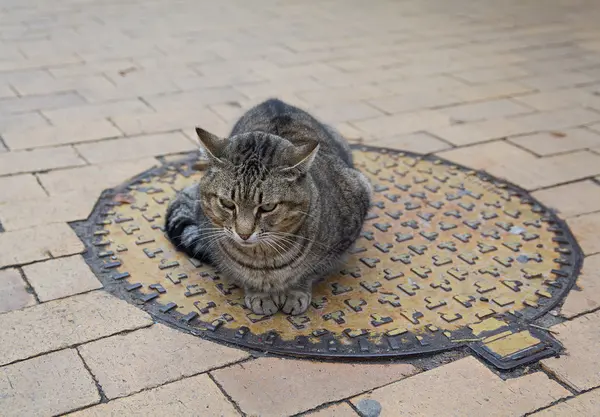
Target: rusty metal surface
point(443, 249)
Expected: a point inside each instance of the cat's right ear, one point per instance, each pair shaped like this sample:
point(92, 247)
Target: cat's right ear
point(213, 145)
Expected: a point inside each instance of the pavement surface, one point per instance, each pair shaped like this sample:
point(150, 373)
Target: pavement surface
point(94, 92)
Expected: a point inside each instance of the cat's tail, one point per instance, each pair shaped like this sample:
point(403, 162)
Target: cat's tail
point(183, 225)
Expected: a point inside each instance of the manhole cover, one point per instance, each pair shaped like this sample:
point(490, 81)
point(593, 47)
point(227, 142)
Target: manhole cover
point(447, 257)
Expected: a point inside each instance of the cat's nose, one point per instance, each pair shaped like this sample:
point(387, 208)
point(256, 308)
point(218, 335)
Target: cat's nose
point(244, 236)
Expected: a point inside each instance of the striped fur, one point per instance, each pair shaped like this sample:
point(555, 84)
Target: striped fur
point(272, 157)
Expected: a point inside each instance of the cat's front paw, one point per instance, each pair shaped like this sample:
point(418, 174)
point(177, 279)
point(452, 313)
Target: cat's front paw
point(261, 303)
point(293, 302)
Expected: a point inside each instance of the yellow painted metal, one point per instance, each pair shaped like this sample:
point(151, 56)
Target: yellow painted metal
point(441, 253)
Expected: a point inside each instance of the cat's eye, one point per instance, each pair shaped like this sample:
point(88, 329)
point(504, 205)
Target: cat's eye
point(265, 208)
point(227, 204)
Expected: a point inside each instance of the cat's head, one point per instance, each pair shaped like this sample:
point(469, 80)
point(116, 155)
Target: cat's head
point(255, 188)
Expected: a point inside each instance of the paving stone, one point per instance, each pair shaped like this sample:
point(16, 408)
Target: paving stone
point(403, 123)
point(190, 397)
point(339, 410)
point(193, 99)
point(579, 367)
point(68, 207)
point(38, 160)
point(97, 111)
point(549, 143)
point(487, 393)
point(74, 132)
point(560, 99)
point(62, 323)
point(518, 166)
point(329, 96)
point(258, 386)
point(135, 148)
point(151, 357)
point(586, 228)
point(585, 297)
point(488, 156)
point(571, 200)
point(414, 101)
point(557, 80)
point(584, 405)
point(38, 243)
point(490, 91)
point(484, 110)
point(31, 103)
point(345, 112)
point(13, 291)
point(169, 120)
point(23, 121)
point(47, 385)
point(58, 278)
point(485, 75)
point(465, 134)
point(20, 187)
point(94, 178)
point(414, 142)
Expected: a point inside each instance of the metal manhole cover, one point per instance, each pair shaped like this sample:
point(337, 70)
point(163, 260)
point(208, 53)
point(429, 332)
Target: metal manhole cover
point(447, 257)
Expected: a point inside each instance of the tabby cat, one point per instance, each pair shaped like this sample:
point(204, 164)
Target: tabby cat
point(277, 208)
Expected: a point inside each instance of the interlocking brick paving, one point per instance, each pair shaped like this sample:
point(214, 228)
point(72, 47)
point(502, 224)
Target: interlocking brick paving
point(424, 76)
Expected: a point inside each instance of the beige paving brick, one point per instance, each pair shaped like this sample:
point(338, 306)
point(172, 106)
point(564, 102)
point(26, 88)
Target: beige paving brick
point(485, 110)
point(62, 208)
point(584, 405)
point(38, 243)
point(403, 123)
point(43, 85)
point(91, 68)
point(415, 142)
point(189, 397)
point(329, 96)
point(20, 187)
point(571, 200)
point(585, 228)
point(62, 323)
point(48, 385)
point(193, 99)
point(488, 156)
point(24, 121)
point(58, 278)
point(258, 386)
point(14, 293)
point(489, 91)
point(93, 179)
point(339, 410)
point(169, 120)
point(135, 148)
point(558, 80)
point(545, 172)
point(578, 368)
point(97, 111)
point(414, 101)
point(276, 88)
point(74, 132)
point(549, 143)
point(31, 103)
point(586, 296)
point(151, 357)
point(6, 91)
point(422, 395)
point(465, 134)
point(345, 112)
point(559, 99)
point(486, 75)
point(416, 84)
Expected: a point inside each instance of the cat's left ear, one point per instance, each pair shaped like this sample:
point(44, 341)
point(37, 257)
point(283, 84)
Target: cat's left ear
point(213, 145)
point(299, 160)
